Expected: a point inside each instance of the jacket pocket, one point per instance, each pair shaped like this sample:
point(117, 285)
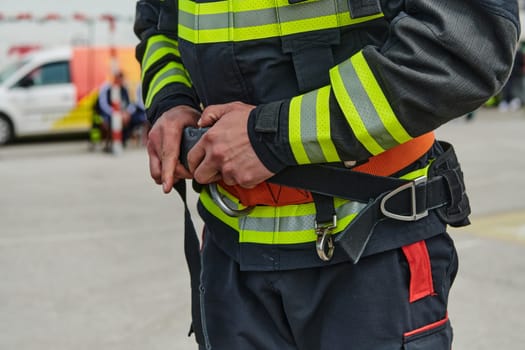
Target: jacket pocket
point(435, 336)
point(309, 30)
point(363, 8)
point(312, 57)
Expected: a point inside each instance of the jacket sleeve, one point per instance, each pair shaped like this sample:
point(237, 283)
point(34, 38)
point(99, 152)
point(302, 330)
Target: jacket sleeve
point(440, 60)
point(165, 81)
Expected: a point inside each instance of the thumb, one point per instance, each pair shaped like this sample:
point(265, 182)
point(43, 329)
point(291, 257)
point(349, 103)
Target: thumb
point(212, 113)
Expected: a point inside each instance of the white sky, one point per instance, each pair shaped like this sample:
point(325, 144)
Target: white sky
point(125, 7)
point(68, 31)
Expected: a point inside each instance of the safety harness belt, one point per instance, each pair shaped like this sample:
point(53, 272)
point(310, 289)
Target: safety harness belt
point(386, 197)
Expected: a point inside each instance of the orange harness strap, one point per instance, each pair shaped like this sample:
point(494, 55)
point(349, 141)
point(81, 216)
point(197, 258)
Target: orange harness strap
point(399, 157)
point(383, 164)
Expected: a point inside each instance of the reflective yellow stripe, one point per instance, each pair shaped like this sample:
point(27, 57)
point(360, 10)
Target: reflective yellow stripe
point(222, 21)
point(418, 172)
point(294, 131)
point(290, 224)
point(172, 73)
point(290, 237)
point(351, 114)
point(309, 128)
point(210, 205)
point(324, 134)
point(378, 99)
point(158, 46)
point(295, 223)
point(365, 106)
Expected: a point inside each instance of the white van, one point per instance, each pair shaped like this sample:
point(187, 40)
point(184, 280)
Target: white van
point(52, 91)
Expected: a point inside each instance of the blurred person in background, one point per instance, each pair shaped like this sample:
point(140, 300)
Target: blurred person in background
point(302, 249)
point(512, 93)
point(132, 112)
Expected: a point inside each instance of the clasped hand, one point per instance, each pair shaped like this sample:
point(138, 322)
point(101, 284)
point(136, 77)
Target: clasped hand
point(223, 153)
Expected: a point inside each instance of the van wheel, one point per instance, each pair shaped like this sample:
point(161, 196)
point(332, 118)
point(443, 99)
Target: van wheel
point(6, 129)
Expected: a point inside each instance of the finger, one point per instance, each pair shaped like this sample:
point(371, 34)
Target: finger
point(168, 178)
point(205, 172)
point(195, 156)
point(206, 176)
point(248, 186)
point(154, 164)
point(229, 181)
point(155, 170)
point(169, 158)
point(181, 172)
point(215, 178)
point(213, 113)
point(209, 178)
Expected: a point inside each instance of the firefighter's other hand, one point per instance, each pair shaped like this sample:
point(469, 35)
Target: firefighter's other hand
point(224, 151)
point(163, 146)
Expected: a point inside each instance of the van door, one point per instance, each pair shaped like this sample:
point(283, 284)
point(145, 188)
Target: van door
point(43, 97)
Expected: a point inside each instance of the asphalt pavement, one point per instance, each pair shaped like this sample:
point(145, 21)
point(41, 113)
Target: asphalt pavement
point(91, 253)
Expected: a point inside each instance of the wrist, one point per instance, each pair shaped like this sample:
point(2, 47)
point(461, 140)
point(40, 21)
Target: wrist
point(263, 131)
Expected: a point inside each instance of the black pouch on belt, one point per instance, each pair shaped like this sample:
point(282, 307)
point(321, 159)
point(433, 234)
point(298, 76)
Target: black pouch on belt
point(457, 210)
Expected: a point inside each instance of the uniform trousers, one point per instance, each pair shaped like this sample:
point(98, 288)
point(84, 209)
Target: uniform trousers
point(372, 305)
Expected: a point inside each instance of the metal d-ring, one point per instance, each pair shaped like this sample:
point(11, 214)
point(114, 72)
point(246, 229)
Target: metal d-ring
point(218, 199)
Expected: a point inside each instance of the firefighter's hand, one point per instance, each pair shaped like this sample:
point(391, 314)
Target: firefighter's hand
point(224, 151)
point(163, 146)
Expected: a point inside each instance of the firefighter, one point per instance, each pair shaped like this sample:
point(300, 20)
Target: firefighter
point(324, 193)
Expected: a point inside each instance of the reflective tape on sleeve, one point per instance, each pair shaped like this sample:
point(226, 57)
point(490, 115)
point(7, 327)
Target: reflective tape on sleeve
point(157, 50)
point(158, 47)
point(365, 107)
point(173, 72)
point(309, 128)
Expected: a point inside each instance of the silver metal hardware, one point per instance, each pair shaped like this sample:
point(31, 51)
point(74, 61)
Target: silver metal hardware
point(325, 242)
point(218, 199)
point(408, 186)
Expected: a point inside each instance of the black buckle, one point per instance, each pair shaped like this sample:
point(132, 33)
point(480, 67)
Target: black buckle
point(415, 215)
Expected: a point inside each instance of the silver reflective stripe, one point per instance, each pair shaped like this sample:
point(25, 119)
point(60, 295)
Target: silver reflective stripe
point(294, 223)
point(158, 45)
point(259, 17)
point(160, 80)
point(309, 128)
point(282, 224)
point(313, 10)
point(228, 19)
point(364, 106)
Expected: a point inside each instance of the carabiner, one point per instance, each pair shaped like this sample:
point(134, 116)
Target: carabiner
point(325, 242)
point(217, 198)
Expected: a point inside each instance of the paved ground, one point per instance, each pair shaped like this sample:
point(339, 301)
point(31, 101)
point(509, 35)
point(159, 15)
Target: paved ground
point(91, 251)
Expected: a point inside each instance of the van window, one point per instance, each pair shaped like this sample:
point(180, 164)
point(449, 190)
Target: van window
point(48, 74)
point(10, 69)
